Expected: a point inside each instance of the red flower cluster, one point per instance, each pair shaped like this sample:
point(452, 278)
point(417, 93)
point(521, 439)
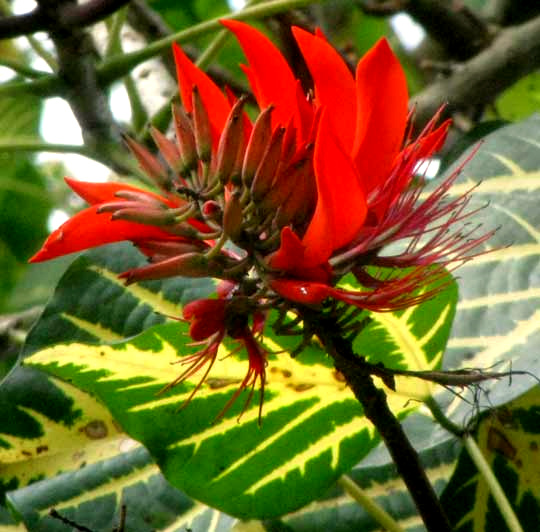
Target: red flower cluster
point(316, 187)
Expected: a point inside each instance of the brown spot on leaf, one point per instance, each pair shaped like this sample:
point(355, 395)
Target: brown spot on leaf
point(26, 453)
point(95, 430)
point(533, 446)
point(215, 383)
point(301, 387)
point(285, 372)
point(41, 449)
point(77, 455)
point(338, 375)
point(497, 441)
point(506, 418)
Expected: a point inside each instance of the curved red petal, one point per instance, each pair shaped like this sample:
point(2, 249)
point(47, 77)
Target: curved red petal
point(341, 203)
point(88, 229)
point(335, 88)
point(432, 142)
point(214, 101)
point(303, 292)
point(381, 113)
point(290, 254)
point(268, 73)
point(95, 193)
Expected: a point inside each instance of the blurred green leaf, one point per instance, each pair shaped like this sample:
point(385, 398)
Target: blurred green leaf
point(520, 100)
point(24, 198)
point(180, 15)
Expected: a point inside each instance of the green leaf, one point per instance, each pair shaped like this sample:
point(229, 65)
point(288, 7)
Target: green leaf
point(91, 304)
point(313, 429)
point(497, 324)
point(181, 15)
point(24, 199)
point(61, 448)
point(337, 511)
point(508, 438)
point(520, 100)
point(412, 339)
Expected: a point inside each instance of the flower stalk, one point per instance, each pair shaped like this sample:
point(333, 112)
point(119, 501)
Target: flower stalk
point(373, 400)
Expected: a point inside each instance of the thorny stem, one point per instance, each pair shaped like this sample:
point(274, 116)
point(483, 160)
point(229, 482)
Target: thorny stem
point(358, 376)
point(491, 480)
point(370, 506)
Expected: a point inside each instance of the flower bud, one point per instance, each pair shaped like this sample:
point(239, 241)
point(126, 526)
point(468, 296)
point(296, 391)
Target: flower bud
point(212, 210)
point(233, 217)
point(286, 182)
point(149, 164)
point(184, 229)
point(266, 171)
point(230, 142)
point(113, 206)
point(187, 265)
point(148, 215)
point(257, 144)
point(168, 149)
point(185, 139)
point(203, 132)
point(159, 250)
point(296, 206)
point(140, 196)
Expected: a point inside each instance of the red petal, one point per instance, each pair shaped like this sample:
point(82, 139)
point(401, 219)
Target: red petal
point(302, 292)
point(213, 99)
point(95, 193)
point(269, 74)
point(341, 203)
point(334, 84)
point(290, 254)
point(381, 113)
point(88, 229)
point(208, 317)
point(432, 142)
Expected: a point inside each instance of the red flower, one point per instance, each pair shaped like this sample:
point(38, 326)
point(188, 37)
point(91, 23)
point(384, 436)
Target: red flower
point(363, 171)
point(210, 320)
point(315, 188)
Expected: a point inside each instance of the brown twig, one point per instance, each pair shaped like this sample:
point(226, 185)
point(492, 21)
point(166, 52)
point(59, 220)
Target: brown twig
point(460, 31)
point(512, 55)
point(451, 23)
point(151, 25)
point(66, 16)
point(80, 85)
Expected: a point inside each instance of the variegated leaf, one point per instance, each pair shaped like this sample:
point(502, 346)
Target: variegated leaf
point(509, 438)
point(61, 449)
point(313, 429)
point(497, 325)
point(339, 511)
